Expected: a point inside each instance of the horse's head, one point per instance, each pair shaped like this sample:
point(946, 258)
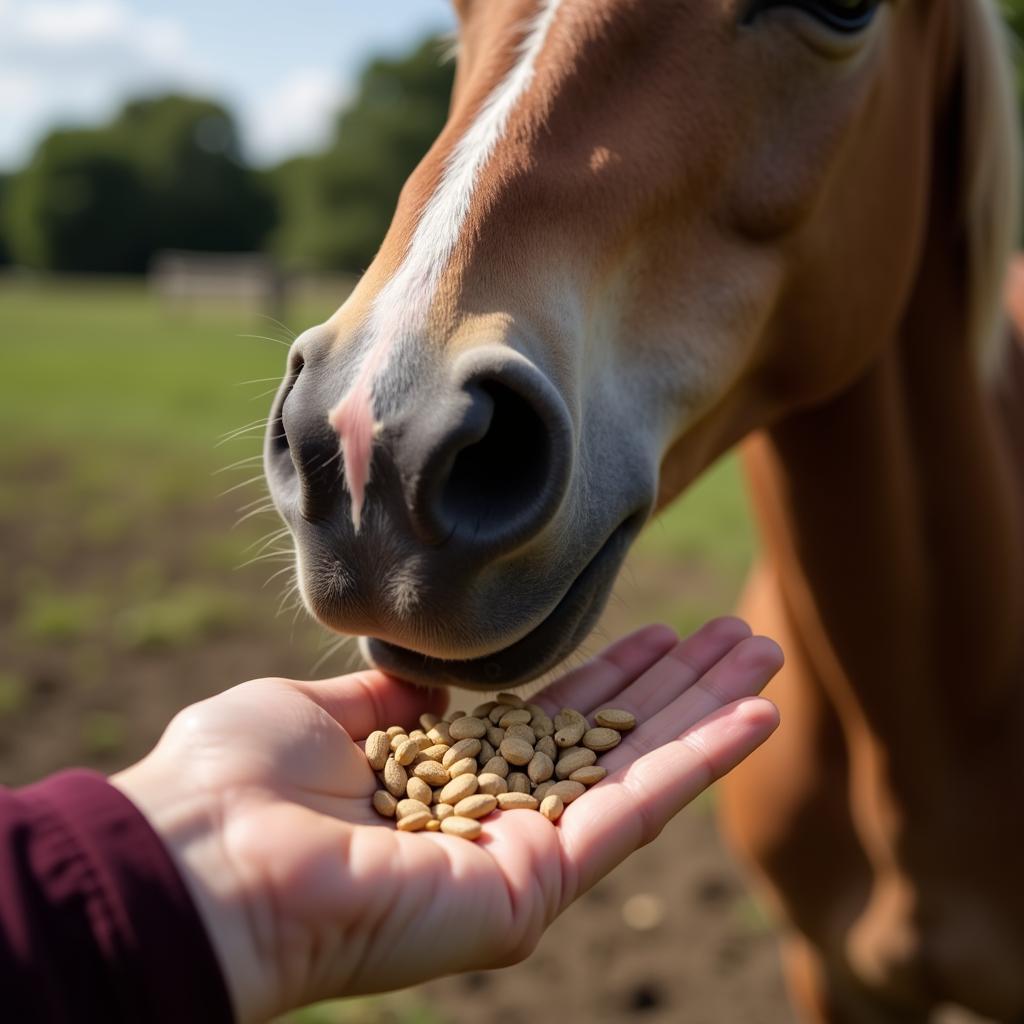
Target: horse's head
point(647, 228)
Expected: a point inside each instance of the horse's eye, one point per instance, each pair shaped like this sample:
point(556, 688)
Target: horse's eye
point(841, 15)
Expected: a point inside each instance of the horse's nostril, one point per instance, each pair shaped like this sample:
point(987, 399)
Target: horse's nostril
point(504, 471)
point(493, 478)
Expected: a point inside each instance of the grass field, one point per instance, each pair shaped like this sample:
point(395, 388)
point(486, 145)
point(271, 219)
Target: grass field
point(121, 597)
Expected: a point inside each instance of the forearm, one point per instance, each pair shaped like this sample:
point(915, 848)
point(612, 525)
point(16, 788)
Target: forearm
point(95, 923)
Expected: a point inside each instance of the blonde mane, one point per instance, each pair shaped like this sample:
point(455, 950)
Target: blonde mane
point(992, 164)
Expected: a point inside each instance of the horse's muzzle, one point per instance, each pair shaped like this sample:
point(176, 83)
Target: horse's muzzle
point(451, 557)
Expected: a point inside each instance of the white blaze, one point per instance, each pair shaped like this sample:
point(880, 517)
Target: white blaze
point(400, 307)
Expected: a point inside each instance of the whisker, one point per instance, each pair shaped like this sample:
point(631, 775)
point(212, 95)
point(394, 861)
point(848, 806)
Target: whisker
point(262, 510)
point(284, 327)
point(268, 556)
point(269, 559)
point(239, 486)
point(249, 504)
point(236, 465)
point(247, 426)
point(333, 458)
point(263, 394)
point(249, 434)
point(290, 567)
point(354, 659)
point(265, 561)
point(285, 606)
point(263, 337)
point(332, 649)
point(315, 467)
point(268, 539)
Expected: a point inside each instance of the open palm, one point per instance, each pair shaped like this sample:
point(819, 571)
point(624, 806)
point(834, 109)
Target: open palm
point(262, 794)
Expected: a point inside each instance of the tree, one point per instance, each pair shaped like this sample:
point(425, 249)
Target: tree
point(78, 206)
point(165, 174)
point(5, 255)
point(200, 193)
point(336, 207)
point(1013, 11)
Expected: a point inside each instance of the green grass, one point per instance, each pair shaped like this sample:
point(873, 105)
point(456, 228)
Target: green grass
point(52, 616)
point(93, 363)
point(103, 733)
point(131, 401)
point(14, 693)
point(182, 617)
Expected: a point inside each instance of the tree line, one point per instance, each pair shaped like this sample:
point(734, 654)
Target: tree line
point(168, 173)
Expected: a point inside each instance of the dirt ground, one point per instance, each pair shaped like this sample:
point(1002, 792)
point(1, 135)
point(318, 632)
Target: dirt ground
point(671, 935)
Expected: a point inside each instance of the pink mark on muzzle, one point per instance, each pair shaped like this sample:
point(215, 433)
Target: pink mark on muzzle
point(353, 421)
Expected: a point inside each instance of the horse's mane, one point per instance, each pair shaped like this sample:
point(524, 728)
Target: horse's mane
point(991, 172)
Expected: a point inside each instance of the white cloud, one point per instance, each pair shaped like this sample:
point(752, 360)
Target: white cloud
point(75, 61)
point(72, 25)
point(296, 116)
point(51, 33)
point(16, 89)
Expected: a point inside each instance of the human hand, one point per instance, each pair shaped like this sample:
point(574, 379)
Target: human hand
point(262, 795)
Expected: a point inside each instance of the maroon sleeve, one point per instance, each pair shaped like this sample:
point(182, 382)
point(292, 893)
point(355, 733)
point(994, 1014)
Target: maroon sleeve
point(96, 924)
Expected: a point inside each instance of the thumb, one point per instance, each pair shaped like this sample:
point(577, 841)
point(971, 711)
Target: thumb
point(364, 701)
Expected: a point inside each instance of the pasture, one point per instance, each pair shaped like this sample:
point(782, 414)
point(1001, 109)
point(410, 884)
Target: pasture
point(129, 588)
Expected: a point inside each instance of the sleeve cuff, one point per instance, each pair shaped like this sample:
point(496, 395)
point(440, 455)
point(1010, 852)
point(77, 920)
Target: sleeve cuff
point(148, 934)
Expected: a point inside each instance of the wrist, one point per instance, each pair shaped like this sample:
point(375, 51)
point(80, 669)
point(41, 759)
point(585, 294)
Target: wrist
point(189, 822)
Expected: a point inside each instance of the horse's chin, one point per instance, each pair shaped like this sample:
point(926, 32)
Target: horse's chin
point(547, 644)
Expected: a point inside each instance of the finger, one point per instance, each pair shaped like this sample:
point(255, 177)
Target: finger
point(607, 673)
point(662, 680)
point(364, 701)
point(630, 808)
point(743, 672)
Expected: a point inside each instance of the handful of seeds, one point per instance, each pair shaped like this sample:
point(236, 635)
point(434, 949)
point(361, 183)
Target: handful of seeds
point(506, 754)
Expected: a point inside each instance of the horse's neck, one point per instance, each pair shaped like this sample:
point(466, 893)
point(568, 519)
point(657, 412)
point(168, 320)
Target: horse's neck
point(892, 517)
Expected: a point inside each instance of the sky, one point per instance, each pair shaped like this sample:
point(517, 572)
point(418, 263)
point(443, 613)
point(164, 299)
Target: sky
point(284, 67)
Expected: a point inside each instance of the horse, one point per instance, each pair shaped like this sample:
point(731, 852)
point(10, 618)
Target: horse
point(652, 231)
